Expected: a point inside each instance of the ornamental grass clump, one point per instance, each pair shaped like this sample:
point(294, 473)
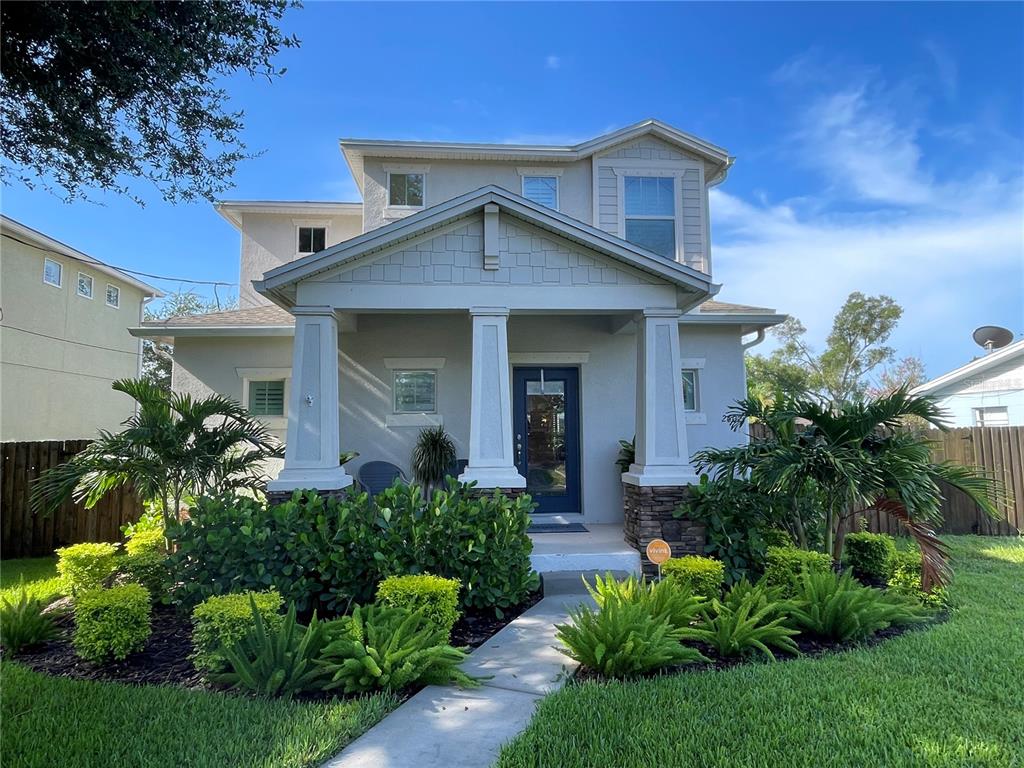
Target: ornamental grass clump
point(747, 619)
point(223, 620)
point(86, 566)
point(436, 597)
point(111, 623)
point(622, 639)
point(22, 622)
point(704, 576)
point(384, 648)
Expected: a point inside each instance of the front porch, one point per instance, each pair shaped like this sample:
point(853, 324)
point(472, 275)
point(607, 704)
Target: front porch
point(562, 557)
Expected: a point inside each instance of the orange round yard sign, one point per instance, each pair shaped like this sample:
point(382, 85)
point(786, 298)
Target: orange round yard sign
point(658, 551)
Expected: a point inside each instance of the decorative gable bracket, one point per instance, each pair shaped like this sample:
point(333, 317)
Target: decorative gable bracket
point(491, 258)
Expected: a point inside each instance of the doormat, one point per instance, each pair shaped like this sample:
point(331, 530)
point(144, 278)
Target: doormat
point(557, 528)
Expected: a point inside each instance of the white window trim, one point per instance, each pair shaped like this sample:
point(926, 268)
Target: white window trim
point(92, 286)
point(421, 420)
point(698, 416)
point(414, 363)
point(555, 176)
point(676, 174)
point(401, 210)
point(60, 273)
point(248, 375)
point(300, 223)
point(106, 296)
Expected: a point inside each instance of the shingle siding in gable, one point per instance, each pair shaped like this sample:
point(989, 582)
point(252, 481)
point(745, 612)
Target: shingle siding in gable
point(608, 200)
point(649, 148)
point(693, 222)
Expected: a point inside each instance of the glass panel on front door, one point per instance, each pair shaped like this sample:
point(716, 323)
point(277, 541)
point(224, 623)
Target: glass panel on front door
point(546, 416)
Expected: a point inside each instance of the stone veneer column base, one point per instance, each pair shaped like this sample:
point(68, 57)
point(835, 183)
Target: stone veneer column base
point(280, 497)
point(648, 515)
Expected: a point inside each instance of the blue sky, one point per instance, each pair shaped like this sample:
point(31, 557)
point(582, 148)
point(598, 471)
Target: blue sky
point(880, 147)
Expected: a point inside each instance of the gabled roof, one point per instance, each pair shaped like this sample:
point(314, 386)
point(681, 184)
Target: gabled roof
point(33, 237)
point(973, 368)
point(277, 282)
point(356, 149)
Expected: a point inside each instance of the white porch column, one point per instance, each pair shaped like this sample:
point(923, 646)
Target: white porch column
point(662, 455)
point(491, 461)
point(314, 442)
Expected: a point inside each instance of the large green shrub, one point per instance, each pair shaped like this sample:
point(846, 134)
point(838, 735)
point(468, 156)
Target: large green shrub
point(704, 576)
point(86, 566)
point(869, 554)
point(111, 623)
point(785, 564)
point(223, 620)
point(386, 648)
point(148, 567)
point(327, 554)
point(22, 622)
point(622, 639)
point(435, 597)
point(145, 540)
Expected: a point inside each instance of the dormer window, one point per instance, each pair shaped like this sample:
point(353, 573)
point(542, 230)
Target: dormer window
point(312, 239)
point(405, 190)
point(650, 213)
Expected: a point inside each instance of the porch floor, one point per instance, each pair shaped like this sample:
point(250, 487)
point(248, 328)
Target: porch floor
point(602, 548)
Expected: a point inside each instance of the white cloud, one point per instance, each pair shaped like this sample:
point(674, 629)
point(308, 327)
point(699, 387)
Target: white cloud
point(551, 61)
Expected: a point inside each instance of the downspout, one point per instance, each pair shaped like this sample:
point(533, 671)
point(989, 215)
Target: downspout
point(757, 340)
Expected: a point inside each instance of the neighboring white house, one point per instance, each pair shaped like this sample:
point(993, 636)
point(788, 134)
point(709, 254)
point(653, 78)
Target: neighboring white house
point(541, 302)
point(986, 392)
point(63, 338)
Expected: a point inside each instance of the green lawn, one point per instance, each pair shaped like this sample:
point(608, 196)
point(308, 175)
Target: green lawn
point(948, 695)
point(40, 575)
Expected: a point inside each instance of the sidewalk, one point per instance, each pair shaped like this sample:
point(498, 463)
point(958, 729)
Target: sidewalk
point(444, 727)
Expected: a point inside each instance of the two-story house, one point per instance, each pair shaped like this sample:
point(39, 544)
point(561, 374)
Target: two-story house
point(541, 302)
point(63, 338)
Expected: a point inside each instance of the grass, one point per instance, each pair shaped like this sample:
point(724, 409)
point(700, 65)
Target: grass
point(948, 695)
point(40, 575)
point(48, 720)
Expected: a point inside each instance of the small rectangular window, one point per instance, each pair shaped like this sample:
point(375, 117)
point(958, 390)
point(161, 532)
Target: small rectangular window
point(405, 189)
point(690, 389)
point(312, 239)
point(542, 190)
point(650, 211)
point(266, 398)
point(84, 286)
point(113, 296)
point(53, 272)
point(415, 391)
point(992, 416)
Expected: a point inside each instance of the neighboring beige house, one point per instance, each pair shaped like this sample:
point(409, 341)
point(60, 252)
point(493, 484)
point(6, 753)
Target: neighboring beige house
point(63, 338)
point(539, 302)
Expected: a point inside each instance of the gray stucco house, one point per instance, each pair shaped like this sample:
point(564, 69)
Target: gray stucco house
point(541, 302)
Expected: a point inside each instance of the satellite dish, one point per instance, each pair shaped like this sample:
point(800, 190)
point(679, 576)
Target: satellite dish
point(992, 337)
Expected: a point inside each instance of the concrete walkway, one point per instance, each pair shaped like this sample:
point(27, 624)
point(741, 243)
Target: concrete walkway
point(444, 727)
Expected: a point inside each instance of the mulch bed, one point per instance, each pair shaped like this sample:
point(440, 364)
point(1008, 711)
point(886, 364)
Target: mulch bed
point(165, 659)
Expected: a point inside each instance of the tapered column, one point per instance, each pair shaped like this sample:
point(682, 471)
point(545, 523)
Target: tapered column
point(491, 460)
point(314, 442)
point(662, 455)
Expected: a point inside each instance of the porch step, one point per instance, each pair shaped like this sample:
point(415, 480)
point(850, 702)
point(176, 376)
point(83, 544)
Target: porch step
point(602, 548)
point(557, 583)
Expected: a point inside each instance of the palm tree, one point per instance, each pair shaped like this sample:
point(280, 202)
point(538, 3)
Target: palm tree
point(852, 458)
point(175, 446)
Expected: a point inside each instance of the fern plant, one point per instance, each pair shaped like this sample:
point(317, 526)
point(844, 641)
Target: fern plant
point(838, 608)
point(747, 619)
point(23, 623)
point(432, 457)
point(276, 660)
point(662, 599)
point(622, 639)
point(386, 648)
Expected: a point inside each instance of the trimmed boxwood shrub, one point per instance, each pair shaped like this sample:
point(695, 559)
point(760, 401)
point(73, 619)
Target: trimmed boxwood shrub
point(146, 540)
point(785, 564)
point(223, 620)
point(869, 554)
point(435, 597)
point(148, 568)
point(111, 623)
point(905, 578)
point(704, 576)
point(86, 566)
point(326, 554)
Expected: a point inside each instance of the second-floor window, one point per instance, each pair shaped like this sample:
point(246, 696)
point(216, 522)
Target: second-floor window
point(542, 190)
point(84, 286)
point(650, 213)
point(52, 272)
point(312, 239)
point(405, 189)
point(113, 296)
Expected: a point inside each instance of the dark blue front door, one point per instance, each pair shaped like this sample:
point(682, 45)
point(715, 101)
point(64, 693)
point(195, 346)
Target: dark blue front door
point(545, 407)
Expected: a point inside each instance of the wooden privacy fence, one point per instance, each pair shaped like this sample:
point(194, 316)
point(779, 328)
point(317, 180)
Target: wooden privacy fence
point(997, 450)
point(25, 534)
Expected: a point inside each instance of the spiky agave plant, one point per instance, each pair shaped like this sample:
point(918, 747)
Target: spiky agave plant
point(432, 457)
